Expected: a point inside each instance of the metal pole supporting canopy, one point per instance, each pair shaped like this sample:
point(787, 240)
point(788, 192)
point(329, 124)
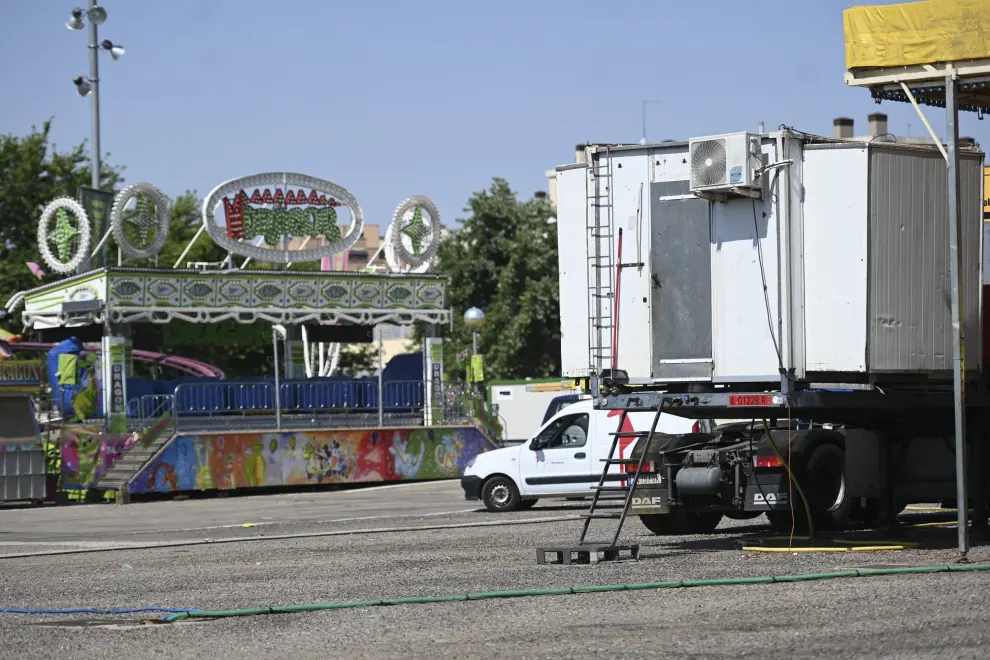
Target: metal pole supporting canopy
point(958, 340)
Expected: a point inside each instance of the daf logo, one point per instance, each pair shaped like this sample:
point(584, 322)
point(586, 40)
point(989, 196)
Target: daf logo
point(647, 501)
point(771, 498)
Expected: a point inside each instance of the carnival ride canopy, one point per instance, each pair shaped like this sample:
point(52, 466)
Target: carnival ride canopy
point(915, 33)
point(904, 52)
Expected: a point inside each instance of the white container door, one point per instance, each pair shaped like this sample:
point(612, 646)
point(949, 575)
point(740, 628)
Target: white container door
point(681, 273)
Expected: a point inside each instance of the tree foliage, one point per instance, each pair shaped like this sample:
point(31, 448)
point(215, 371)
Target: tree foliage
point(358, 360)
point(504, 261)
point(32, 173)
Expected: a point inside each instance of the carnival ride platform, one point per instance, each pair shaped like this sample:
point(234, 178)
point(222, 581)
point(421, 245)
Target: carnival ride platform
point(145, 295)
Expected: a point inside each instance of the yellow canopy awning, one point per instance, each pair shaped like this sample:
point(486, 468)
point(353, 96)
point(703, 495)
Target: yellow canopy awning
point(914, 33)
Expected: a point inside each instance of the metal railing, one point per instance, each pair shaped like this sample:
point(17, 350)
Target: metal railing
point(225, 406)
point(300, 405)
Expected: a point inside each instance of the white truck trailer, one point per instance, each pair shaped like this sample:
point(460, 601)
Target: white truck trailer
point(771, 278)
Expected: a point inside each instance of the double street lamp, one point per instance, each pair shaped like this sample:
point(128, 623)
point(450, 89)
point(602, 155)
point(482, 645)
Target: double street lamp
point(90, 86)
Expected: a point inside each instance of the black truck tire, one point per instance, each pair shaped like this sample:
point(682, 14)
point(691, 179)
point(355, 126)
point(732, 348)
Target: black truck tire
point(500, 494)
point(830, 504)
point(680, 522)
point(822, 478)
point(743, 515)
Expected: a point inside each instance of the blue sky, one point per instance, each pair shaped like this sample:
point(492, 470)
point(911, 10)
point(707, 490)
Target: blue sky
point(391, 98)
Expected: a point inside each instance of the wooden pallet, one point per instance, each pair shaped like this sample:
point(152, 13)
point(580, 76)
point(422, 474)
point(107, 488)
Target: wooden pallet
point(587, 553)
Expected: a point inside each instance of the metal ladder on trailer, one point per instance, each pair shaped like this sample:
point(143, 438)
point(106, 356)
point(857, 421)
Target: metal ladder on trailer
point(599, 238)
point(610, 549)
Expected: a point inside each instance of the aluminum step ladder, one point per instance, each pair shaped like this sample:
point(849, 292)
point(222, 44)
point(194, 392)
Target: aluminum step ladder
point(607, 550)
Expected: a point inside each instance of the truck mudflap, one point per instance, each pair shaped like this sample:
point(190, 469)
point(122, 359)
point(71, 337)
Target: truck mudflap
point(650, 496)
point(768, 493)
point(646, 502)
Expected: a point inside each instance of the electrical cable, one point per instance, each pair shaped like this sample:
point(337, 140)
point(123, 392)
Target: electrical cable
point(756, 479)
point(766, 290)
point(780, 363)
point(93, 610)
point(566, 591)
point(794, 483)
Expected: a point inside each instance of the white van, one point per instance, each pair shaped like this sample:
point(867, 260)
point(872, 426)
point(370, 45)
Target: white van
point(564, 458)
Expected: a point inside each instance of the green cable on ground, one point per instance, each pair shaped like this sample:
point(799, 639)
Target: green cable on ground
point(523, 593)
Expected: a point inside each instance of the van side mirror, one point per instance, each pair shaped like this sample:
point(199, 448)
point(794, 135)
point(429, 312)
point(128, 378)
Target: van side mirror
point(535, 445)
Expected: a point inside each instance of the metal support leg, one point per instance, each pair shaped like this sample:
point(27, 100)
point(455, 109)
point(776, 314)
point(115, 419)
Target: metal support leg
point(381, 369)
point(958, 346)
point(977, 427)
point(885, 511)
point(278, 398)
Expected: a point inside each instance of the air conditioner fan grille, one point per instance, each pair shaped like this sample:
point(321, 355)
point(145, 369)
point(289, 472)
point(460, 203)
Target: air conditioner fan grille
point(708, 162)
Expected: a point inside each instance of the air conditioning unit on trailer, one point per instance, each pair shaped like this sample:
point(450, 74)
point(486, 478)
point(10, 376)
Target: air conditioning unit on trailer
point(725, 164)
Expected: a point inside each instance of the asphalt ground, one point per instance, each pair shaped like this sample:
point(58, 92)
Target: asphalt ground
point(425, 540)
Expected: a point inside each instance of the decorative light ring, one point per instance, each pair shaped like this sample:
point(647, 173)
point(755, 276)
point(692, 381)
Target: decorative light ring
point(394, 263)
point(421, 254)
point(144, 220)
point(243, 248)
point(62, 235)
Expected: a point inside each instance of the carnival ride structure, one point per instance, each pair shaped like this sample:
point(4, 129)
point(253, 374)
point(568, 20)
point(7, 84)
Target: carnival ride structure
point(271, 219)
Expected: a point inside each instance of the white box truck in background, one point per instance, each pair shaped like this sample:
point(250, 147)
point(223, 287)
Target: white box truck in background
point(521, 406)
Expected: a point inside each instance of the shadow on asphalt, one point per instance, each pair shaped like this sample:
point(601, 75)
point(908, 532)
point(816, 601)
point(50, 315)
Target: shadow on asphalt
point(921, 533)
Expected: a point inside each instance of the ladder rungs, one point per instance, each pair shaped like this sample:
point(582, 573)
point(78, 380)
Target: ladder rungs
point(612, 489)
point(602, 516)
point(620, 461)
point(630, 434)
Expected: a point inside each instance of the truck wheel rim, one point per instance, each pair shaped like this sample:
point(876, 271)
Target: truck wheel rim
point(831, 486)
point(500, 495)
point(841, 495)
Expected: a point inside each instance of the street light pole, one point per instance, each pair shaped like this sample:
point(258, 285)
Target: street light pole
point(90, 86)
point(94, 81)
point(474, 318)
point(278, 330)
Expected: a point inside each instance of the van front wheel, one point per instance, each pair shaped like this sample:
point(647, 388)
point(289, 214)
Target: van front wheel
point(500, 494)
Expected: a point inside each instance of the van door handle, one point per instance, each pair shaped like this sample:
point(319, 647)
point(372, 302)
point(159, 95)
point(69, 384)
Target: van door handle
point(580, 454)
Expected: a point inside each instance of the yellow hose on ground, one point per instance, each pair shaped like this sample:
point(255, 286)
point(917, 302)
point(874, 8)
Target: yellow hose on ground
point(861, 548)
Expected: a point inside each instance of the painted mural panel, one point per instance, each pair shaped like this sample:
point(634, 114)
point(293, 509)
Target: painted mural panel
point(256, 460)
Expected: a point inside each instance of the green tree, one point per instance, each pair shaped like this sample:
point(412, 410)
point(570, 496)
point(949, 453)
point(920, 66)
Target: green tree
point(32, 173)
point(504, 261)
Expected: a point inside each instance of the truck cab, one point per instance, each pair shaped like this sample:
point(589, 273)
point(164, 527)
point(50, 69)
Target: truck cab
point(564, 458)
